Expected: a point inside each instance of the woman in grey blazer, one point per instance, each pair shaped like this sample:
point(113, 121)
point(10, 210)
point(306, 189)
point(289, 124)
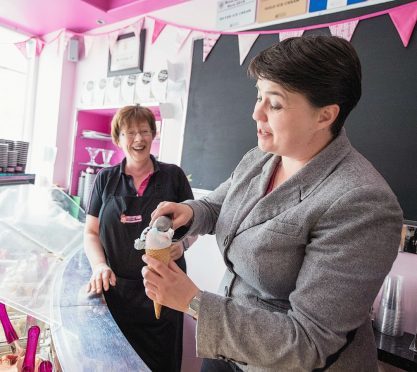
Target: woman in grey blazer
point(307, 227)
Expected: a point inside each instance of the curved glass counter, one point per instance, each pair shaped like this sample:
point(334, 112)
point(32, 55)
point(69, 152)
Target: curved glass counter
point(43, 273)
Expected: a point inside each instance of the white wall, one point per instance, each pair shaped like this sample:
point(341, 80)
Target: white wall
point(46, 121)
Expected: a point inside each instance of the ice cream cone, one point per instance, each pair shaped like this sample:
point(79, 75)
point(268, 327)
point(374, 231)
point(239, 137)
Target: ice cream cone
point(164, 256)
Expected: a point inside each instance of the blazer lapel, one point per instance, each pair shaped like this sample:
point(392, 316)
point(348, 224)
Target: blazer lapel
point(258, 208)
point(254, 193)
point(275, 203)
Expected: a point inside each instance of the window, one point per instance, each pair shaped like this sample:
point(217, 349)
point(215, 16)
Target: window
point(14, 68)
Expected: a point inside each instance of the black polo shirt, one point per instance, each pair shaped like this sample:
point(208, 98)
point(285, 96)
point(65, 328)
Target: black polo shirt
point(169, 177)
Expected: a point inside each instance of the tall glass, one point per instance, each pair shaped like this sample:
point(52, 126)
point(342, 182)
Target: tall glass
point(107, 155)
point(92, 151)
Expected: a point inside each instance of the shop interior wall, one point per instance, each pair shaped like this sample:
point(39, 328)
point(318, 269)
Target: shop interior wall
point(204, 262)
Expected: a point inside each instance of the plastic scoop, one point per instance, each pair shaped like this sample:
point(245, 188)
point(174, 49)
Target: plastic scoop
point(32, 344)
point(9, 331)
point(45, 366)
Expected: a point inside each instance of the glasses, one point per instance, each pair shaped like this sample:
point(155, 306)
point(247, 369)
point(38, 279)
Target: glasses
point(131, 134)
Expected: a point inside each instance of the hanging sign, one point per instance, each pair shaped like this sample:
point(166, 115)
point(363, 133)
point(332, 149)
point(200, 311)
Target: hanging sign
point(235, 13)
point(270, 10)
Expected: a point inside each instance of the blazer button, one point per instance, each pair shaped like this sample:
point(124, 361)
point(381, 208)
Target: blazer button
point(226, 240)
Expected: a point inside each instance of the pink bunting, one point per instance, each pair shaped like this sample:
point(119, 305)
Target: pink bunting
point(63, 39)
point(157, 29)
point(31, 47)
point(404, 18)
point(245, 45)
point(137, 27)
point(344, 30)
point(39, 47)
point(22, 47)
point(182, 36)
point(112, 36)
point(286, 34)
point(209, 41)
point(88, 44)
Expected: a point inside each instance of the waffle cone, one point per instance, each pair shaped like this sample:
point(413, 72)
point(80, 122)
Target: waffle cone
point(164, 256)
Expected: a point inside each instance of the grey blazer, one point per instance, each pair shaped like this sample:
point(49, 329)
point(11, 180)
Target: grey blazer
point(305, 262)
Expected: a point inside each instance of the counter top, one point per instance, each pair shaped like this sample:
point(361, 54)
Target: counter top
point(16, 178)
point(396, 350)
point(86, 337)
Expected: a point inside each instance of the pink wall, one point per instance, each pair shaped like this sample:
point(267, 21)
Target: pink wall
point(406, 266)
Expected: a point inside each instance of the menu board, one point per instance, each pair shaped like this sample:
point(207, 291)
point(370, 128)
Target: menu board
point(270, 10)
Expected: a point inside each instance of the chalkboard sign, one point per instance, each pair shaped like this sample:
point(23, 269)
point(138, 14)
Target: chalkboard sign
point(219, 127)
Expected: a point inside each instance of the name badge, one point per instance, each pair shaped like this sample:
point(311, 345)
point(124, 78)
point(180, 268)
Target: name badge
point(130, 219)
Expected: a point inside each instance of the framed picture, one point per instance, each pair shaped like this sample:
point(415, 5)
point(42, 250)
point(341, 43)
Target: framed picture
point(128, 54)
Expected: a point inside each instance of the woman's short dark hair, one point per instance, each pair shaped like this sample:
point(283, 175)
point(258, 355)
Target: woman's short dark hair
point(131, 115)
point(325, 69)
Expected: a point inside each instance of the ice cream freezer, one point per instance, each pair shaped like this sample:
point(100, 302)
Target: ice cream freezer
point(43, 276)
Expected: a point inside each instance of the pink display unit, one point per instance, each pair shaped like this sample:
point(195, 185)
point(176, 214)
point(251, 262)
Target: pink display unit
point(98, 120)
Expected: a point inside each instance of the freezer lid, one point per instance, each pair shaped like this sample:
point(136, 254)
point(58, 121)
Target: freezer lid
point(40, 229)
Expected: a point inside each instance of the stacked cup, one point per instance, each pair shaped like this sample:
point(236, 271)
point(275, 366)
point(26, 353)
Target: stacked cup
point(90, 176)
point(11, 161)
point(4, 148)
point(9, 143)
point(390, 314)
point(23, 148)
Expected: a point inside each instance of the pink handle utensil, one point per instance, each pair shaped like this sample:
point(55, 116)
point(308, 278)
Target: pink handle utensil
point(32, 344)
point(45, 366)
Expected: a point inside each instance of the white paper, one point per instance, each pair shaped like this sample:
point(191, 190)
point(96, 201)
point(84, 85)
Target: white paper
point(99, 92)
point(143, 88)
point(112, 95)
point(159, 85)
point(87, 93)
point(127, 89)
point(235, 13)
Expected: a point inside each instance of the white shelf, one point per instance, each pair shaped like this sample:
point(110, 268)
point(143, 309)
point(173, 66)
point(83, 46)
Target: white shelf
point(113, 107)
point(96, 138)
point(96, 165)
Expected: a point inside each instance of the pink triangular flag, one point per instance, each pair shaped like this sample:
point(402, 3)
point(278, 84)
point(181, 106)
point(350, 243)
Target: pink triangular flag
point(404, 18)
point(31, 48)
point(63, 40)
point(157, 29)
point(22, 47)
point(245, 44)
point(88, 44)
point(286, 34)
point(209, 41)
point(182, 36)
point(344, 30)
point(39, 47)
point(112, 37)
point(137, 27)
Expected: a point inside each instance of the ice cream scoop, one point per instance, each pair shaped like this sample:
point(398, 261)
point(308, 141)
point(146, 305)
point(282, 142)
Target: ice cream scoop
point(45, 366)
point(9, 331)
point(32, 344)
point(158, 240)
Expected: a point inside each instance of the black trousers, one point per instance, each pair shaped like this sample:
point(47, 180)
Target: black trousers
point(217, 365)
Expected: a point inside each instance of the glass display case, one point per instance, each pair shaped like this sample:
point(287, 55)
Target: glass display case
point(43, 277)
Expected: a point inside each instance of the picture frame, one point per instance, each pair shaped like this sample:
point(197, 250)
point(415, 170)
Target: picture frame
point(128, 55)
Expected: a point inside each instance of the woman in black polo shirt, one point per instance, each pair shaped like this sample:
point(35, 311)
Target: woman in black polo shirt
point(120, 207)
